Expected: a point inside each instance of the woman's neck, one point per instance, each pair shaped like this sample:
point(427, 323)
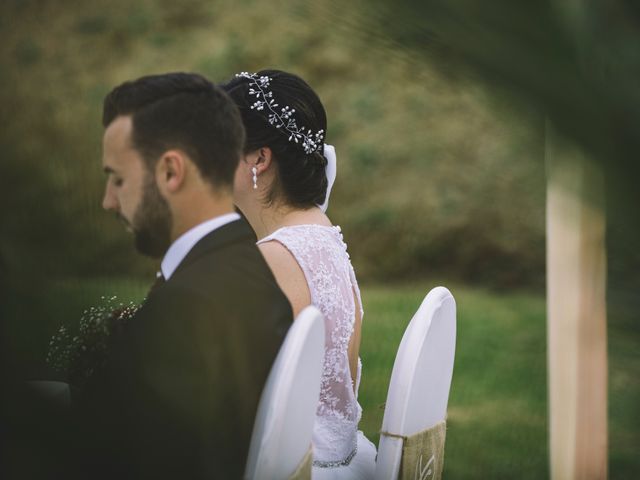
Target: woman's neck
point(267, 219)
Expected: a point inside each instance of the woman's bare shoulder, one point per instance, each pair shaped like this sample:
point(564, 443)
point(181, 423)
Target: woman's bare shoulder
point(288, 273)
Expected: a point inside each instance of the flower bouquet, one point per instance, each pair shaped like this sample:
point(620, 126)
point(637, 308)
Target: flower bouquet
point(80, 355)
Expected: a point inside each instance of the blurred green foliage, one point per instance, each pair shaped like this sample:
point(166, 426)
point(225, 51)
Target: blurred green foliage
point(435, 174)
point(576, 63)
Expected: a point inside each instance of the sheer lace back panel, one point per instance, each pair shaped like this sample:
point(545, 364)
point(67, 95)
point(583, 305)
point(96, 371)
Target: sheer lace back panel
point(322, 255)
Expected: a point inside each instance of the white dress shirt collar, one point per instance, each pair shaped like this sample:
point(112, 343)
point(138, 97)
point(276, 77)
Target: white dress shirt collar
point(183, 244)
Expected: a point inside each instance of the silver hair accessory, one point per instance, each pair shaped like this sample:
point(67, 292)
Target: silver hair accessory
point(254, 170)
point(283, 119)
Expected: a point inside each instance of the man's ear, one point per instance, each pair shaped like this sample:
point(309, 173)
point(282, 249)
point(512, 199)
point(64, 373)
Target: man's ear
point(171, 170)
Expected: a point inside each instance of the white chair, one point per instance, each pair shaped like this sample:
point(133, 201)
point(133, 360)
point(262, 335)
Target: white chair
point(421, 378)
point(283, 426)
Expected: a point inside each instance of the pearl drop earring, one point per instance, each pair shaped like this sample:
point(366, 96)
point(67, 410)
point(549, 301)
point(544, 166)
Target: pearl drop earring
point(254, 170)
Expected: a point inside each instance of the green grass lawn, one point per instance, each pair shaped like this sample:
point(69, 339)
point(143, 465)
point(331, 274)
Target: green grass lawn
point(497, 415)
point(497, 423)
point(497, 405)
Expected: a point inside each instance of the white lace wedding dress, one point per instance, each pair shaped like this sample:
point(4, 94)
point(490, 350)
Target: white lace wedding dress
point(340, 450)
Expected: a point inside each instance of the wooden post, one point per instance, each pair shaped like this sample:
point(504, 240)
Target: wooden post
point(576, 309)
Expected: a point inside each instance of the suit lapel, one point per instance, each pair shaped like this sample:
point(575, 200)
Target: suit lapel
point(238, 230)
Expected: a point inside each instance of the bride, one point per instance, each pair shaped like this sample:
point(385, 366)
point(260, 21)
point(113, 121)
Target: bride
point(282, 187)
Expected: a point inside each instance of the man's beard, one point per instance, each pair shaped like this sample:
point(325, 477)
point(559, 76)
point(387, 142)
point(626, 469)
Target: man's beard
point(152, 222)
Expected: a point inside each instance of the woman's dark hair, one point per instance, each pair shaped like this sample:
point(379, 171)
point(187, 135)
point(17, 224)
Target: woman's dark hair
point(301, 181)
point(181, 110)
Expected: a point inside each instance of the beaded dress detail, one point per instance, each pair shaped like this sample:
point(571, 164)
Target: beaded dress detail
point(322, 255)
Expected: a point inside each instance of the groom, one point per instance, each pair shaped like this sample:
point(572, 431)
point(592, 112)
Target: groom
point(178, 396)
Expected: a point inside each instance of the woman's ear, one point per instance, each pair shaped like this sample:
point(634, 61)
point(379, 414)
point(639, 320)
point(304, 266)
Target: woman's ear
point(171, 171)
point(260, 158)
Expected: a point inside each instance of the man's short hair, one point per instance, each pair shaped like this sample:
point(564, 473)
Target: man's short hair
point(183, 111)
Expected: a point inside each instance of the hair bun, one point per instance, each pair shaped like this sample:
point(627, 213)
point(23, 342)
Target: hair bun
point(295, 135)
point(319, 159)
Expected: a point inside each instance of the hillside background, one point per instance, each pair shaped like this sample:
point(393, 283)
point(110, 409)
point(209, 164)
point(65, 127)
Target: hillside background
point(437, 176)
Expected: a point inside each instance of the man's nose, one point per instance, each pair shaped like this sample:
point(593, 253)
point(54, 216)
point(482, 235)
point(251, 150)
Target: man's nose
point(109, 202)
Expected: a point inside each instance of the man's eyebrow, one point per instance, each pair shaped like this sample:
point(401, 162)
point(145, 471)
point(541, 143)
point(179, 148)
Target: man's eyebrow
point(108, 170)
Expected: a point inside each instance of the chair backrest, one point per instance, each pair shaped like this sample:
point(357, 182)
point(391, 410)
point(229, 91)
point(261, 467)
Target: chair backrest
point(421, 378)
point(286, 413)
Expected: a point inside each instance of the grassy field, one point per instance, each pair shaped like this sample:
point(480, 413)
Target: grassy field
point(497, 424)
point(497, 415)
point(497, 405)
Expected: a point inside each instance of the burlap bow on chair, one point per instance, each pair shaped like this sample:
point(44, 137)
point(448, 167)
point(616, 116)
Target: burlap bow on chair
point(422, 453)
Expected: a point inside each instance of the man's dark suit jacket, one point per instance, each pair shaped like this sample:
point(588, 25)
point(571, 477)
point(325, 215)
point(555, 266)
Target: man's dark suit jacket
point(180, 392)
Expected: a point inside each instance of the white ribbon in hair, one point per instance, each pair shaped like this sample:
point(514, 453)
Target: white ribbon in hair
point(330, 170)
